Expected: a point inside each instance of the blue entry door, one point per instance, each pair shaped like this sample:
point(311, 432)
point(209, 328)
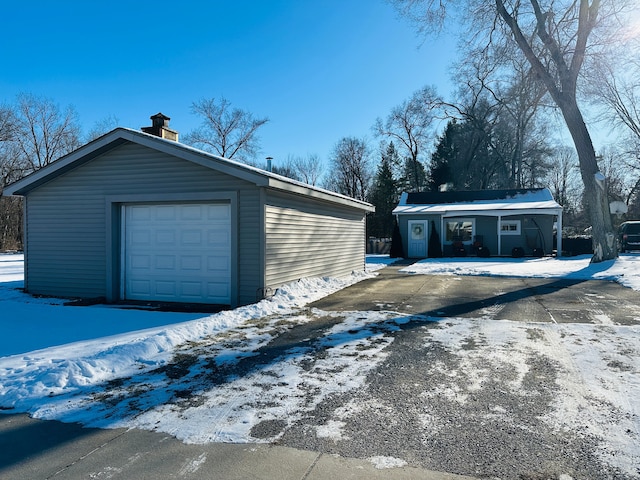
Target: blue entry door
point(418, 238)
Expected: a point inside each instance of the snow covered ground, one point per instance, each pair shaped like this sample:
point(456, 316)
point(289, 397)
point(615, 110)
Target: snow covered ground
point(185, 374)
point(623, 270)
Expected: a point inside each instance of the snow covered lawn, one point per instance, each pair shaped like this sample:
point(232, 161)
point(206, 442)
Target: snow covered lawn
point(246, 375)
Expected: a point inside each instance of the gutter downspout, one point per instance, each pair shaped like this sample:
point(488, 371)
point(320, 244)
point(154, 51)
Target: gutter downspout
point(443, 234)
point(499, 235)
point(559, 235)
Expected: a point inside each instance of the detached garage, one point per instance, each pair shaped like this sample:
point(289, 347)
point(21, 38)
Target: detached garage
point(134, 216)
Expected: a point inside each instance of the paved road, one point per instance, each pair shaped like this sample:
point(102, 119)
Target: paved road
point(527, 299)
point(38, 450)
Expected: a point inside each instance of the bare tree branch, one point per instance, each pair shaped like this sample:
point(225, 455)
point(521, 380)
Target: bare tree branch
point(226, 131)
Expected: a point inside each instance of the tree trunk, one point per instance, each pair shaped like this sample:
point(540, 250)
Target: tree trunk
point(604, 246)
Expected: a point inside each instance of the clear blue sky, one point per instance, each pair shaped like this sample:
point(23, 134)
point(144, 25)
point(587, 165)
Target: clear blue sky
point(319, 69)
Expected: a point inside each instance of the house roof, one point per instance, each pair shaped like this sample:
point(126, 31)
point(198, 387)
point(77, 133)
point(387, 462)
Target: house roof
point(479, 202)
point(120, 136)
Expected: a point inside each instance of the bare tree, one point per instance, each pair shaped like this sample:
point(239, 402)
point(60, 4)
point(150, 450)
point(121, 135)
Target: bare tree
point(622, 181)
point(615, 87)
point(10, 208)
point(520, 104)
point(33, 133)
point(410, 125)
point(9, 160)
point(43, 132)
point(307, 169)
point(620, 93)
point(556, 47)
point(562, 178)
point(226, 131)
point(102, 126)
point(556, 38)
point(351, 168)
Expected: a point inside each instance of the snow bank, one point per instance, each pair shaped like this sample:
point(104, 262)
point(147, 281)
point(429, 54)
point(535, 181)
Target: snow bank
point(624, 270)
point(61, 369)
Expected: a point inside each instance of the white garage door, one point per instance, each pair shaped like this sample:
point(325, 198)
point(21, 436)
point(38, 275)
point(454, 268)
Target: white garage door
point(177, 253)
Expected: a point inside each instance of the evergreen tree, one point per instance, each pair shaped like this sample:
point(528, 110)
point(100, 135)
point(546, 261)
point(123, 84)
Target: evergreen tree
point(414, 176)
point(384, 196)
point(440, 168)
point(465, 157)
point(397, 251)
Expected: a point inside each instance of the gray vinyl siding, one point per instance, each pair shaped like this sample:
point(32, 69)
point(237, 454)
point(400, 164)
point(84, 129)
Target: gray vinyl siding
point(307, 238)
point(487, 229)
point(67, 231)
point(536, 232)
point(249, 260)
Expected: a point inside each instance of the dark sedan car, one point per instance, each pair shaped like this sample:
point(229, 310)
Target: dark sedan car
point(629, 236)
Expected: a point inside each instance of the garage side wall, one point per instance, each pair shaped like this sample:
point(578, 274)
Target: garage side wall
point(306, 238)
point(69, 251)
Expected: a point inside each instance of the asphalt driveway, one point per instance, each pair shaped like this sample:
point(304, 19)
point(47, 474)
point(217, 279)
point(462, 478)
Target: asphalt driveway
point(496, 298)
point(477, 376)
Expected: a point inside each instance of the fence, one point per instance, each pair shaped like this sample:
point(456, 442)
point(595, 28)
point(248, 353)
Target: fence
point(378, 246)
point(572, 246)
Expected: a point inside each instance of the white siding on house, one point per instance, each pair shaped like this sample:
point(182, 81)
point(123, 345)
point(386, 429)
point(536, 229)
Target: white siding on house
point(310, 239)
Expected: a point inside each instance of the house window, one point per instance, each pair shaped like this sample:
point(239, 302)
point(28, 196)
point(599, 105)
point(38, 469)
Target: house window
point(460, 230)
point(510, 227)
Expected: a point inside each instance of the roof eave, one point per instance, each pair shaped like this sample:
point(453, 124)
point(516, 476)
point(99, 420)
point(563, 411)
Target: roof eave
point(320, 194)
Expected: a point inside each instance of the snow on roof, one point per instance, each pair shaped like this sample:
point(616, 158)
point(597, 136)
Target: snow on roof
point(483, 202)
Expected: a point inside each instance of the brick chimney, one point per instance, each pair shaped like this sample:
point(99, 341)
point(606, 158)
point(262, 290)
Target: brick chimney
point(160, 127)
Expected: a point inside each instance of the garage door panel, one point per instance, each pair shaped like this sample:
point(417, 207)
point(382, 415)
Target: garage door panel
point(139, 213)
point(166, 238)
point(189, 238)
point(191, 289)
point(140, 262)
point(141, 287)
point(191, 262)
point(218, 213)
point(164, 288)
point(191, 212)
point(165, 262)
point(178, 253)
point(219, 290)
point(218, 264)
point(216, 238)
point(165, 213)
point(140, 237)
